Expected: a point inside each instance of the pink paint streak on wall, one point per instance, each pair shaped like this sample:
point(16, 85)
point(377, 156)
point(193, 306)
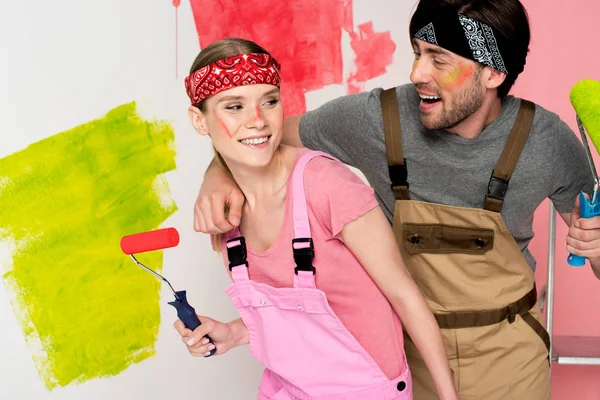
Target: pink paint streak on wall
point(565, 35)
point(304, 35)
point(176, 4)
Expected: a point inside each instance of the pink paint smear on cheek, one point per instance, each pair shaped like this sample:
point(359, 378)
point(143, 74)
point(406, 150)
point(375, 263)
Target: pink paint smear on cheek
point(222, 124)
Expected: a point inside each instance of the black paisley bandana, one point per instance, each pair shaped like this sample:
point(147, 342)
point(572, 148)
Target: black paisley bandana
point(466, 37)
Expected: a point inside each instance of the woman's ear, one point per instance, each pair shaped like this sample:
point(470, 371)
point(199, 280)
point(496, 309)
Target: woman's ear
point(198, 120)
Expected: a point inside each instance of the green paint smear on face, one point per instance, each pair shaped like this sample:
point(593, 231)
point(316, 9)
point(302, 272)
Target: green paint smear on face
point(65, 203)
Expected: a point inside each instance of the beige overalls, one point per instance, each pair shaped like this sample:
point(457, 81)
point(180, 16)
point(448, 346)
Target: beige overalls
point(475, 279)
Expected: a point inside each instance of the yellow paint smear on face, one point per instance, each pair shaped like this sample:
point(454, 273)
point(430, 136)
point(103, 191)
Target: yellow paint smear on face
point(457, 76)
point(66, 201)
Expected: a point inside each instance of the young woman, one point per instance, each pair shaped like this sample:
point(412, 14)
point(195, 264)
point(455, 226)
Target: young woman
point(317, 275)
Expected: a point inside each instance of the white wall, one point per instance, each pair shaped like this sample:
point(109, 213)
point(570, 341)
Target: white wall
point(66, 62)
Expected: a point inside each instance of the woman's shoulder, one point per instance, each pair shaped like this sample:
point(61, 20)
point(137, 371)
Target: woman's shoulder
point(324, 169)
point(325, 179)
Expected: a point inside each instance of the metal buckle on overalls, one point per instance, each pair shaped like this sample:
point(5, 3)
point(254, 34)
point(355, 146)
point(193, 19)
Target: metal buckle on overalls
point(237, 254)
point(497, 188)
point(399, 174)
point(304, 256)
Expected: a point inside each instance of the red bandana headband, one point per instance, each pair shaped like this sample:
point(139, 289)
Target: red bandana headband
point(244, 69)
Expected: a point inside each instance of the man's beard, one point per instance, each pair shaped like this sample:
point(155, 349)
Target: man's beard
point(464, 104)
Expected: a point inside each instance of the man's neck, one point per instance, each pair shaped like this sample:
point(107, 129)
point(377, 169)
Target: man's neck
point(475, 124)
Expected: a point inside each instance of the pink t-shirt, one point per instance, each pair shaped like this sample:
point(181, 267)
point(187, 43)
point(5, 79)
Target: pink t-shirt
point(335, 196)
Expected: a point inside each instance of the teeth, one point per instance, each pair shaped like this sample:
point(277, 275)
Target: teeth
point(255, 141)
point(429, 97)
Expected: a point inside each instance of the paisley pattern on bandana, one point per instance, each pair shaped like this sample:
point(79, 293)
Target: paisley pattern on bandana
point(442, 26)
point(244, 69)
point(427, 33)
point(482, 43)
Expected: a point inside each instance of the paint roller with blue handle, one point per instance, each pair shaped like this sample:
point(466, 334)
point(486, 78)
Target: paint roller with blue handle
point(585, 98)
point(158, 240)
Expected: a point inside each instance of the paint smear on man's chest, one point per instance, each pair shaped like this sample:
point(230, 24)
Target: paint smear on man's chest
point(86, 311)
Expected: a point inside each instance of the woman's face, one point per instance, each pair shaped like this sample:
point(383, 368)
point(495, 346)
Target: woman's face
point(245, 123)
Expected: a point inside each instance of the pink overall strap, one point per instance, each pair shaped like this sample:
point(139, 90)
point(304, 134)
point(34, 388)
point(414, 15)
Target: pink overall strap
point(302, 244)
point(236, 253)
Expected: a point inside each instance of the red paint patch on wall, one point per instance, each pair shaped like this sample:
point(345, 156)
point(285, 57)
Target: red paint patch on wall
point(374, 52)
point(304, 35)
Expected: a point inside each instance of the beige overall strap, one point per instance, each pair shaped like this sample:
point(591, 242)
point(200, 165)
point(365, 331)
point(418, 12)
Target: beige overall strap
point(539, 329)
point(509, 157)
point(393, 144)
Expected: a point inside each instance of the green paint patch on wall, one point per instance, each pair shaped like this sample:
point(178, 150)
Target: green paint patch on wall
point(65, 203)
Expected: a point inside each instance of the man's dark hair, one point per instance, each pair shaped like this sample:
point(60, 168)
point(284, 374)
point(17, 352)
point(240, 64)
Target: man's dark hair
point(508, 17)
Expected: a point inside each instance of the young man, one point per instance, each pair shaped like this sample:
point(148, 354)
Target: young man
point(459, 168)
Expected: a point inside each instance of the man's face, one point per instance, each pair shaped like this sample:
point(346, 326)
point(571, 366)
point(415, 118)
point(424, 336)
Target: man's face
point(449, 85)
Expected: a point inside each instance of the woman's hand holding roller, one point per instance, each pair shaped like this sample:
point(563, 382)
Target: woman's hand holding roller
point(225, 336)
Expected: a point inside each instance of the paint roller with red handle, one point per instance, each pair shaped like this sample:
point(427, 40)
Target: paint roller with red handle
point(158, 240)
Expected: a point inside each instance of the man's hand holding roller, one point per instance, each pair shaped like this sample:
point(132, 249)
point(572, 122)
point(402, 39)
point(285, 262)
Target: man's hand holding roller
point(583, 238)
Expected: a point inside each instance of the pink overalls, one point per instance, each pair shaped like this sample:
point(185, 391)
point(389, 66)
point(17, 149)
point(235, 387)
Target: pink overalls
point(307, 351)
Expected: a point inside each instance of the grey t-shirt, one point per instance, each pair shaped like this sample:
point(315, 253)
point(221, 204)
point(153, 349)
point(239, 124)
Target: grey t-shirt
point(445, 168)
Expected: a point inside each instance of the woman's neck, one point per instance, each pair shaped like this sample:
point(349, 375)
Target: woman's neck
point(262, 183)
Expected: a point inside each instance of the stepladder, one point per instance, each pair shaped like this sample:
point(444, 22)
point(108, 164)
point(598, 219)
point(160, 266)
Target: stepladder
point(564, 349)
